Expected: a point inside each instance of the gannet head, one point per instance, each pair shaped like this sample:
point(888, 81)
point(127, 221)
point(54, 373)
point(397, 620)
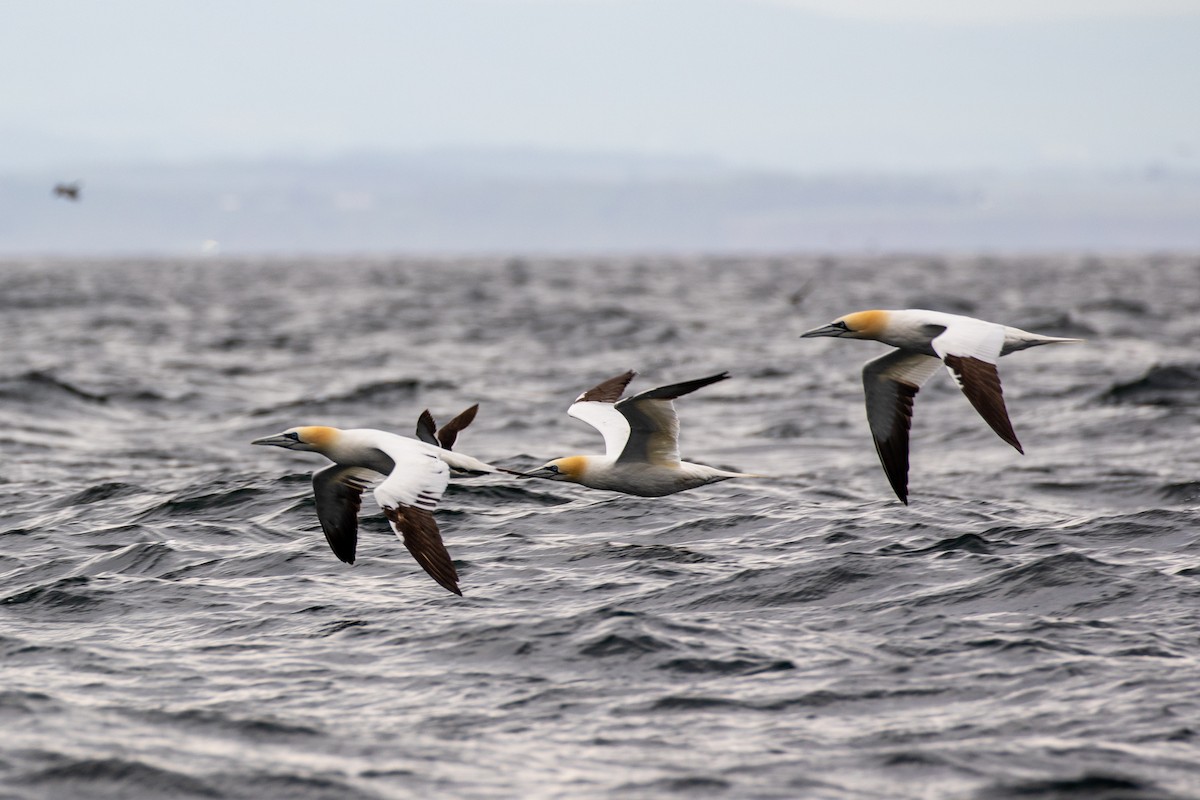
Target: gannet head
point(570, 469)
point(859, 325)
point(316, 438)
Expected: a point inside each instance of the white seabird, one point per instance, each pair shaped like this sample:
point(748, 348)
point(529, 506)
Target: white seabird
point(641, 442)
point(925, 340)
point(415, 475)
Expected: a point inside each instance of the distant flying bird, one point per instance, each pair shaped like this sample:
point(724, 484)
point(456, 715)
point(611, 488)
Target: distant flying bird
point(68, 190)
point(641, 440)
point(415, 475)
point(926, 339)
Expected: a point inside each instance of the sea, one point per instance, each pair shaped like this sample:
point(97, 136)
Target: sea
point(174, 625)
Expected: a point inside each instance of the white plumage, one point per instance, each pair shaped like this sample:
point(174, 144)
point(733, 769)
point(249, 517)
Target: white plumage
point(967, 346)
point(641, 442)
point(414, 476)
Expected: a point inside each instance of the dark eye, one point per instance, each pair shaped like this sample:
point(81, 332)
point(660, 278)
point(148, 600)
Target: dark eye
point(295, 437)
point(842, 325)
point(553, 469)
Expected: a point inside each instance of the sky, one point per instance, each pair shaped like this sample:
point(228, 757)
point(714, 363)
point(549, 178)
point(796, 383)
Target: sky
point(798, 85)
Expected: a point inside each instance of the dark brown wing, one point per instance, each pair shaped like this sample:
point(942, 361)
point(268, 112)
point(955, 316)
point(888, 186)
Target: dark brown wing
point(338, 491)
point(980, 382)
point(419, 532)
point(676, 389)
point(448, 433)
point(427, 428)
point(893, 449)
point(891, 383)
point(653, 423)
point(609, 391)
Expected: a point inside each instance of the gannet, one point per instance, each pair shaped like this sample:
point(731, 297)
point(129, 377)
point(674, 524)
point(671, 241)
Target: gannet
point(641, 442)
point(967, 346)
point(415, 475)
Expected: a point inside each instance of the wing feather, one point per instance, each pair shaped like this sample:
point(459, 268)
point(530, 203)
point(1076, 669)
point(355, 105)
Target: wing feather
point(653, 424)
point(891, 383)
point(338, 491)
point(608, 391)
point(408, 497)
point(980, 382)
point(605, 418)
point(417, 528)
point(448, 433)
point(970, 348)
point(427, 428)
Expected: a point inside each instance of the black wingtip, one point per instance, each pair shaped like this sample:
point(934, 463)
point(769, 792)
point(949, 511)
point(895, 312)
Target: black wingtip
point(676, 390)
point(446, 583)
point(608, 391)
point(427, 428)
point(447, 435)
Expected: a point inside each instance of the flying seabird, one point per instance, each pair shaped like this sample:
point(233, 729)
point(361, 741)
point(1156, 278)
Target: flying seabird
point(967, 346)
point(415, 475)
point(641, 442)
point(68, 190)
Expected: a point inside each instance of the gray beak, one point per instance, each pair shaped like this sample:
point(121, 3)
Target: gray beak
point(824, 330)
point(278, 440)
point(512, 472)
point(540, 472)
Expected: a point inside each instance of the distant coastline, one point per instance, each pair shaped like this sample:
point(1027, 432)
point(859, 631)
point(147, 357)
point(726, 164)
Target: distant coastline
point(530, 201)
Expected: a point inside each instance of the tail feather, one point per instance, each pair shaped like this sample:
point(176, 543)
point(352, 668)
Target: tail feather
point(465, 463)
point(1024, 340)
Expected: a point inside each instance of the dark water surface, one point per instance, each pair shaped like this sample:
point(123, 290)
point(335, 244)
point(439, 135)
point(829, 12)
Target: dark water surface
point(172, 622)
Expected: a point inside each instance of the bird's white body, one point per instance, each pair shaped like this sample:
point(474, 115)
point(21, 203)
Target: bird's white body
point(925, 340)
point(362, 447)
point(643, 478)
point(915, 330)
point(414, 476)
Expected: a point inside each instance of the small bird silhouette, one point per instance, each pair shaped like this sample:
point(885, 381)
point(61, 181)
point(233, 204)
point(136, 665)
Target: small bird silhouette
point(68, 190)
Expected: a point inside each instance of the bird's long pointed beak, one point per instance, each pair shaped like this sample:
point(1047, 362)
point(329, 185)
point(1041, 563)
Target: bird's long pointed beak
point(540, 472)
point(278, 440)
point(824, 330)
point(513, 472)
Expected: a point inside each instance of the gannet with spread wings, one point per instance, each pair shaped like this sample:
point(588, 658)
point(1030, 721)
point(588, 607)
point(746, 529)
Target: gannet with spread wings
point(641, 442)
point(926, 340)
point(415, 474)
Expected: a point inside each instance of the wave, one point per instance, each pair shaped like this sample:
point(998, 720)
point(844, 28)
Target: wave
point(256, 729)
point(37, 386)
point(108, 490)
point(63, 596)
point(377, 392)
point(41, 387)
point(1084, 787)
point(1162, 385)
point(117, 778)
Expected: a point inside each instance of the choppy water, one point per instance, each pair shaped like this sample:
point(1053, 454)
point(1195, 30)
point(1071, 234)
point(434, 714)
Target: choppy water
point(172, 622)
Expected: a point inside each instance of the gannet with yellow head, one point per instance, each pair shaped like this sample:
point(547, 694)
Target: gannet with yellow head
point(415, 475)
point(925, 340)
point(641, 439)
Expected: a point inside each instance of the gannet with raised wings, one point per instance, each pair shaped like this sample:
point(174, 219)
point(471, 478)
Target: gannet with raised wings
point(641, 442)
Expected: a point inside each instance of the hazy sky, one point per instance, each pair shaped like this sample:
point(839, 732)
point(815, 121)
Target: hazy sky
point(800, 84)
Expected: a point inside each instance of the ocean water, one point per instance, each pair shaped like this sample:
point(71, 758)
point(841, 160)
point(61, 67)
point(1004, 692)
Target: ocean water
point(173, 624)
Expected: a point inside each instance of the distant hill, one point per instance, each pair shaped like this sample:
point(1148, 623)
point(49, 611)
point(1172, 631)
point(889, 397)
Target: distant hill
point(467, 201)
